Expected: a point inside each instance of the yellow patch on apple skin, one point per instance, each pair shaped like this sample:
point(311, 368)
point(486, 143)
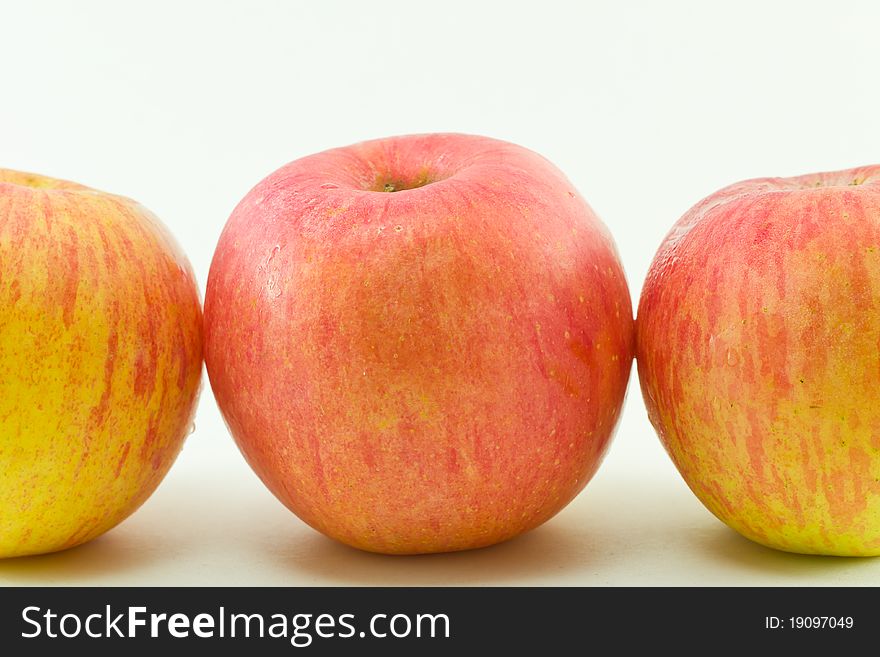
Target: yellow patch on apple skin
point(386, 422)
point(100, 355)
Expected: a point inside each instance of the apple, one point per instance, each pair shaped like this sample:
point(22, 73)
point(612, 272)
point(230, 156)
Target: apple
point(420, 343)
point(100, 360)
point(758, 349)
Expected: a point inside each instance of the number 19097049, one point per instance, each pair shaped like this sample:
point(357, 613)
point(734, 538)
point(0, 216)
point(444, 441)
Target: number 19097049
point(820, 622)
point(809, 622)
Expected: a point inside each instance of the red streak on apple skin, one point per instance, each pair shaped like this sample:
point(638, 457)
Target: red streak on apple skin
point(758, 358)
point(122, 458)
point(70, 258)
point(99, 413)
point(433, 369)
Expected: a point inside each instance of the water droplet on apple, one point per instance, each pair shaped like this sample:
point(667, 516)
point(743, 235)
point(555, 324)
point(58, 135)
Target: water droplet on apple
point(732, 357)
point(192, 429)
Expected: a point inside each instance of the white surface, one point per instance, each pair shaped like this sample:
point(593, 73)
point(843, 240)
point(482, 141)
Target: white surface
point(646, 106)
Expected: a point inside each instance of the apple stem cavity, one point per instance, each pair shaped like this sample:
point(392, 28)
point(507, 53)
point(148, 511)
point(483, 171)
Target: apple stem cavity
point(402, 183)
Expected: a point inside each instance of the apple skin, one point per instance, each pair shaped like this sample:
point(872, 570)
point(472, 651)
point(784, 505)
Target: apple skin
point(431, 369)
point(100, 360)
point(758, 349)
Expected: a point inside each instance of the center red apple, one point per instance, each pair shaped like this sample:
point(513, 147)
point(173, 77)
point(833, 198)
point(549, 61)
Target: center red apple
point(420, 343)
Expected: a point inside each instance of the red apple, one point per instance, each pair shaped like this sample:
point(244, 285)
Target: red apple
point(759, 358)
point(100, 360)
point(420, 343)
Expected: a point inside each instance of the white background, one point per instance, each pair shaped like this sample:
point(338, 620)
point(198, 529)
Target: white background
point(646, 106)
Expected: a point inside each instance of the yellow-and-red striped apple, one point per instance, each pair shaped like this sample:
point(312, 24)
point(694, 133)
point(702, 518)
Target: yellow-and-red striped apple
point(759, 358)
point(420, 343)
point(100, 360)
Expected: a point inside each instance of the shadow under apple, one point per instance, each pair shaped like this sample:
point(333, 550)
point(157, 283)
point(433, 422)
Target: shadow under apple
point(549, 551)
point(728, 548)
point(105, 557)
